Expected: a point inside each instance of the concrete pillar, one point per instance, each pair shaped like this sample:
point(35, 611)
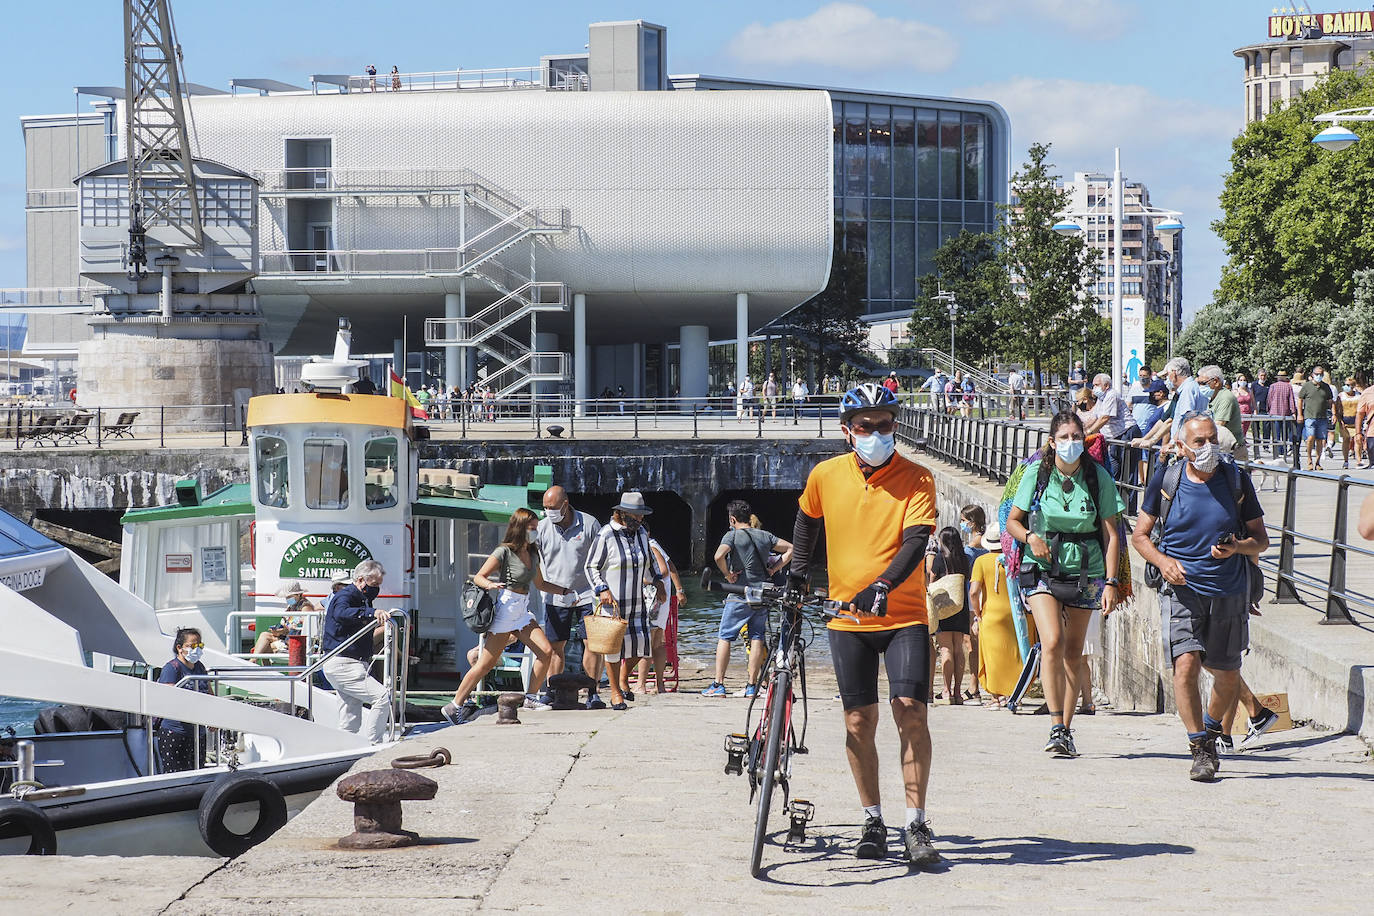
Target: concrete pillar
point(637, 362)
point(580, 368)
point(694, 369)
point(453, 369)
point(741, 338)
point(545, 342)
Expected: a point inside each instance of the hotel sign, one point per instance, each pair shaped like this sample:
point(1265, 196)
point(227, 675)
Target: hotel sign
point(1360, 22)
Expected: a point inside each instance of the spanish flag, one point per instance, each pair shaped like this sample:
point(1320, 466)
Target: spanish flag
point(399, 390)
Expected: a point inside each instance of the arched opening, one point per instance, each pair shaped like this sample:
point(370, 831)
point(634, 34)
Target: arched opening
point(670, 524)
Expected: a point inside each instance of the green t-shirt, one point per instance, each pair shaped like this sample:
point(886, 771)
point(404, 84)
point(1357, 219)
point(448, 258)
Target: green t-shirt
point(1316, 400)
point(1070, 511)
point(1226, 412)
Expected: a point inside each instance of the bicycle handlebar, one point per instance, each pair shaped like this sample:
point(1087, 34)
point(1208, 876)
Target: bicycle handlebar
point(772, 594)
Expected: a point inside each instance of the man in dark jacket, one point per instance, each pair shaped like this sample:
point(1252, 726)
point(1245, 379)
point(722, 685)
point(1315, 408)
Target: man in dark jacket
point(351, 610)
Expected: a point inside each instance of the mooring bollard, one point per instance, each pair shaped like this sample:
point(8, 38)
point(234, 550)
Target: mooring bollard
point(377, 797)
point(508, 708)
point(565, 688)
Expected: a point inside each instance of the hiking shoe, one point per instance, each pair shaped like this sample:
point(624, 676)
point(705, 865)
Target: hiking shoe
point(1259, 725)
point(595, 702)
point(536, 704)
point(873, 843)
point(1056, 743)
point(716, 689)
point(459, 715)
point(1204, 767)
point(920, 844)
point(751, 691)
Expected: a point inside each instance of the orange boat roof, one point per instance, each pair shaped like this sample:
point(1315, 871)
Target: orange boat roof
point(329, 407)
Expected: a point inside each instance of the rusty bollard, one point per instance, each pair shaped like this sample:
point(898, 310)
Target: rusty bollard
point(565, 688)
point(377, 797)
point(508, 708)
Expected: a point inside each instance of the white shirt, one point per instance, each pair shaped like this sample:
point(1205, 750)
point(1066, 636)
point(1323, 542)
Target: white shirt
point(1016, 381)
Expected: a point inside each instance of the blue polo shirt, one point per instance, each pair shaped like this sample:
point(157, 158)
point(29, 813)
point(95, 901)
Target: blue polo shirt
point(1190, 397)
point(349, 611)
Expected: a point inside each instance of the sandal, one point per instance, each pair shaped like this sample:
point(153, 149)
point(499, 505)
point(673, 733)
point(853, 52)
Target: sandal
point(995, 703)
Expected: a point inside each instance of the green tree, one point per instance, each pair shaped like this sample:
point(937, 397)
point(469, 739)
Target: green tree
point(1223, 334)
point(1296, 218)
point(1351, 338)
point(1097, 340)
point(830, 324)
point(1055, 272)
point(1156, 341)
point(1293, 335)
point(970, 266)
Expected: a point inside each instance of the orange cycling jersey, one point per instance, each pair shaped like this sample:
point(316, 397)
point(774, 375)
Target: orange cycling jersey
point(864, 521)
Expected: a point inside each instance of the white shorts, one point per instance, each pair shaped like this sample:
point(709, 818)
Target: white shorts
point(512, 612)
point(660, 619)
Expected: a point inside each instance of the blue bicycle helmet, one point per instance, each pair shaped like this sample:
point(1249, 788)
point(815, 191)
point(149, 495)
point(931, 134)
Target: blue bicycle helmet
point(867, 396)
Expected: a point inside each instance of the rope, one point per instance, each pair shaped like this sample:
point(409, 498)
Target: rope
point(438, 757)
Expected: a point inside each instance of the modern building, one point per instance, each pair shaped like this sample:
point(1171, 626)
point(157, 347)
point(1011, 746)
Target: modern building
point(1300, 50)
point(1152, 263)
point(592, 220)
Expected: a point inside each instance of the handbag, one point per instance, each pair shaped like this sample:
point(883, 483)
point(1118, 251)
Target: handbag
point(945, 596)
point(479, 605)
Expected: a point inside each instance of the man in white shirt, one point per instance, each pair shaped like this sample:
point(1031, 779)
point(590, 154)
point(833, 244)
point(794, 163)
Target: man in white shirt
point(1016, 384)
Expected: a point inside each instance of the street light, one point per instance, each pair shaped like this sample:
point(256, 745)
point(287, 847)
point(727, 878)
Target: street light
point(1337, 136)
point(948, 300)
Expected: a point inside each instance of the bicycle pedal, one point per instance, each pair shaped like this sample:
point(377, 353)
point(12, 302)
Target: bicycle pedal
point(801, 749)
point(799, 813)
point(736, 746)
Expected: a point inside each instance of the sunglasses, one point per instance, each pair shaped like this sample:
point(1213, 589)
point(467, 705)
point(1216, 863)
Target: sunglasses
point(194, 645)
point(864, 428)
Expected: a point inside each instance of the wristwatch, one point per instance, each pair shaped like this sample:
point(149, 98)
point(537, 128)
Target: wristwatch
point(1112, 581)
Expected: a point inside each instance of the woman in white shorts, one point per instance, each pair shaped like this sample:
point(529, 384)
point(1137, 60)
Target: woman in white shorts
point(515, 565)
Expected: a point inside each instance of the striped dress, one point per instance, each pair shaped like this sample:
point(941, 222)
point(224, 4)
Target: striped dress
point(620, 560)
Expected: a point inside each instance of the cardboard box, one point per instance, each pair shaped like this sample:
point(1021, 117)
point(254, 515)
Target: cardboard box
point(1278, 702)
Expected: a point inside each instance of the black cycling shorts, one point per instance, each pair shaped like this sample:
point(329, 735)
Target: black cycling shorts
point(905, 652)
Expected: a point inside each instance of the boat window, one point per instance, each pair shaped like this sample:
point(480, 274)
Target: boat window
point(273, 480)
point(379, 472)
point(326, 474)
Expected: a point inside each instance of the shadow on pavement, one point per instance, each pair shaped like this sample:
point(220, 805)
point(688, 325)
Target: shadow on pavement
point(836, 853)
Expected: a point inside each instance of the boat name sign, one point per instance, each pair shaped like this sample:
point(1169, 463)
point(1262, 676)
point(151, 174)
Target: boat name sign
point(319, 556)
point(24, 579)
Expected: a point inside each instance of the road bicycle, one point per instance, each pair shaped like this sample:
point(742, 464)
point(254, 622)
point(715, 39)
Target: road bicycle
point(765, 748)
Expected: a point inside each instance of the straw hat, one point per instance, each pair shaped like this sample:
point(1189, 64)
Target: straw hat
point(992, 538)
point(633, 503)
point(290, 590)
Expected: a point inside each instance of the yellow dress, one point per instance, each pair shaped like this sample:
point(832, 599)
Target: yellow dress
point(999, 659)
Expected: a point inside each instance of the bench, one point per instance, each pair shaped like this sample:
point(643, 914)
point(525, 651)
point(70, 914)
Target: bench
point(123, 428)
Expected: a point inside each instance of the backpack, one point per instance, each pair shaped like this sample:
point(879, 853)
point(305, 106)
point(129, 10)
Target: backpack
point(479, 606)
point(1168, 488)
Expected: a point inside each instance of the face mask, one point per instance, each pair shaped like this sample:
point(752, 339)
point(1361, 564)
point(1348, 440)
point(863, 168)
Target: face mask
point(1206, 457)
point(554, 515)
point(1097, 391)
point(965, 528)
point(876, 448)
point(1316, 376)
point(1170, 383)
point(1068, 450)
point(530, 536)
point(193, 655)
point(1348, 389)
point(370, 592)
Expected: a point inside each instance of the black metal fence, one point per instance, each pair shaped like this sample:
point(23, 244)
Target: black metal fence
point(1305, 564)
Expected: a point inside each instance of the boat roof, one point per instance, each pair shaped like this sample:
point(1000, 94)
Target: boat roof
point(330, 407)
point(493, 503)
point(19, 540)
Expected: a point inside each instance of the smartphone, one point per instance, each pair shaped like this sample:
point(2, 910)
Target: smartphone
point(1226, 539)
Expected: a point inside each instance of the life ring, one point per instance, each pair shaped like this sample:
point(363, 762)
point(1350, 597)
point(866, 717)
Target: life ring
point(31, 821)
point(235, 789)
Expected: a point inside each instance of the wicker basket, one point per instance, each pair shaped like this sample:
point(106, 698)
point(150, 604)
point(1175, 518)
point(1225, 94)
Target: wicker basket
point(606, 634)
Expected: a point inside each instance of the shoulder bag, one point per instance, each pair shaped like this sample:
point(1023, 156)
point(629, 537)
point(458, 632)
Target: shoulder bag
point(479, 604)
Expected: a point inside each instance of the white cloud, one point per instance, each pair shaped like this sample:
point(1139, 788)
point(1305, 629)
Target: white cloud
point(1096, 18)
point(850, 37)
point(1179, 148)
point(11, 242)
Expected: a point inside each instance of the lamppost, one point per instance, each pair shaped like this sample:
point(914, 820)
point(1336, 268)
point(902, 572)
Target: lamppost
point(1170, 225)
point(1337, 137)
point(948, 300)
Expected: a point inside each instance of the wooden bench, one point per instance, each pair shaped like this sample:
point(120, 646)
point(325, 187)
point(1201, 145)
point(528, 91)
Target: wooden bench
point(123, 428)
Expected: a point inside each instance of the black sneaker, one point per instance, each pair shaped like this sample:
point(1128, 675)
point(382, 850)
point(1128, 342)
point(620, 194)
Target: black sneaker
point(1058, 744)
point(920, 844)
point(1205, 760)
point(873, 844)
point(460, 715)
point(1225, 745)
point(1066, 748)
point(1259, 725)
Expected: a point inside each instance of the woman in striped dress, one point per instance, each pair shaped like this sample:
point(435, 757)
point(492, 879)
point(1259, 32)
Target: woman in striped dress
point(618, 564)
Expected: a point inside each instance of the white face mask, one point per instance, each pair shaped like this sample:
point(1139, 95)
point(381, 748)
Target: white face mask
point(876, 448)
point(554, 515)
point(193, 655)
point(530, 536)
point(1097, 391)
point(1206, 457)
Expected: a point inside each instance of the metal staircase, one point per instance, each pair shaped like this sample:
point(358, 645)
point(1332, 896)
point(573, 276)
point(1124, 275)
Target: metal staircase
point(985, 381)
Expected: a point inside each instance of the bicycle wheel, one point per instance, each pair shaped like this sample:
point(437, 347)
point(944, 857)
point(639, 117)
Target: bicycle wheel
point(777, 726)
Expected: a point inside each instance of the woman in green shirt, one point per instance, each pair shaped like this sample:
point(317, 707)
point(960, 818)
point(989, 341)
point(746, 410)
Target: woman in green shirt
point(1068, 571)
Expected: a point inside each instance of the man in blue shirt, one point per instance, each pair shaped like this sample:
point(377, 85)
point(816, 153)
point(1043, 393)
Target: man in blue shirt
point(1214, 526)
point(351, 610)
point(1189, 397)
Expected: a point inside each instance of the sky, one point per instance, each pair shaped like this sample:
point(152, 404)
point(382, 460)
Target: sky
point(1156, 79)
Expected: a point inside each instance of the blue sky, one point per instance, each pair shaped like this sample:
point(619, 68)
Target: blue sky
point(1155, 78)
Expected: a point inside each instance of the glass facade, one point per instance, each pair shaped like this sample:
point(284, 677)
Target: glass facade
point(907, 179)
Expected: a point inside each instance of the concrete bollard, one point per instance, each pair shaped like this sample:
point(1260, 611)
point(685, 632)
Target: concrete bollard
point(377, 797)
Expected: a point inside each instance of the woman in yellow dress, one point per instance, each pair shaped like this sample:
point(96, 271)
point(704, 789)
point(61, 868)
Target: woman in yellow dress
point(999, 658)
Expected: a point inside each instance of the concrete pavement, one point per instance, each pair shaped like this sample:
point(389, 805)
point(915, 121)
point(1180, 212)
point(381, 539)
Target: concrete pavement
point(579, 812)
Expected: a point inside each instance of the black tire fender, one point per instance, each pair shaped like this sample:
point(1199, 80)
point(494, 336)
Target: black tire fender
point(233, 789)
point(23, 819)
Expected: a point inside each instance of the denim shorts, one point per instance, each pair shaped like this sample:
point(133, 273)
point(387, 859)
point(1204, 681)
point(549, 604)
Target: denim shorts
point(1316, 429)
point(737, 613)
point(1089, 597)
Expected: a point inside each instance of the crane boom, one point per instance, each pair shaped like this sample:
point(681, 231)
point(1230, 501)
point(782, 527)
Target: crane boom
point(162, 189)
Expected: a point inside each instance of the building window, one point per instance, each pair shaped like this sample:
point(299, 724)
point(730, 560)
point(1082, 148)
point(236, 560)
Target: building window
point(879, 151)
point(903, 152)
point(951, 154)
point(855, 149)
point(1259, 64)
point(1259, 102)
point(927, 154)
point(1295, 60)
point(104, 201)
point(975, 156)
point(1294, 88)
point(1345, 59)
point(1275, 62)
point(1275, 93)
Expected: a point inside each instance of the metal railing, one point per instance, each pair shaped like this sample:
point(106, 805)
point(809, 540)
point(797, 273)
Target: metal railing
point(491, 78)
point(50, 296)
point(40, 426)
point(1302, 564)
point(984, 378)
point(395, 667)
point(50, 198)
